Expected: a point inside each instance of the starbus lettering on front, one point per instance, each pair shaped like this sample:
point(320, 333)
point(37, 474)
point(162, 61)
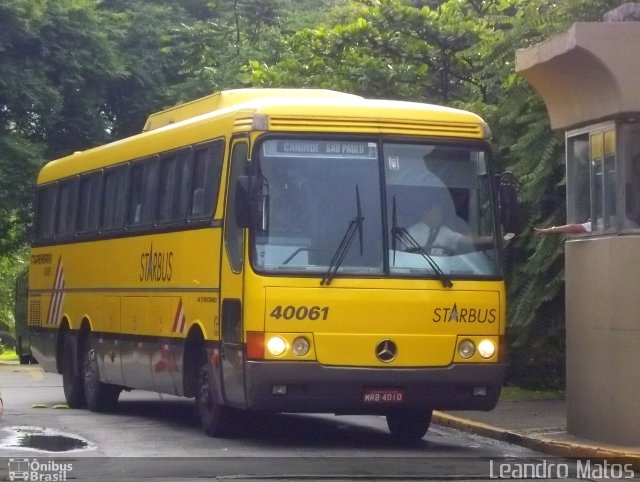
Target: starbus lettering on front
point(464, 315)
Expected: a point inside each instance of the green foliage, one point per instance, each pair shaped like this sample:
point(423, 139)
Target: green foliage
point(143, 32)
point(209, 51)
point(51, 91)
point(19, 163)
point(56, 59)
point(10, 266)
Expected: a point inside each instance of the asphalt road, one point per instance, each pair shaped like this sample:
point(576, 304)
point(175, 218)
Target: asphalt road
point(153, 437)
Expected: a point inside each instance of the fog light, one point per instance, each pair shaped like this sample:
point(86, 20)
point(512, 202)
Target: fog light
point(300, 346)
point(479, 391)
point(486, 348)
point(466, 348)
point(279, 390)
point(276, 345)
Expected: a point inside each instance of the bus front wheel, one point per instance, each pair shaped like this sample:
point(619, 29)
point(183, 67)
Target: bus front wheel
point(71, 381)
point(409, 426)
point(215, 418)
point(101, 397)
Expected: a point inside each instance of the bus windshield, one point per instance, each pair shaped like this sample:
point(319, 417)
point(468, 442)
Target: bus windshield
point(437, 209)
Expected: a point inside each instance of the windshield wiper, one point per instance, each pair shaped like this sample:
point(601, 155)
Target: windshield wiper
point(343, 248)
point(400, 233)
point(394, 227)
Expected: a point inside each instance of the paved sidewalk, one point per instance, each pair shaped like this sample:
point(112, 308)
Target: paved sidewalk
point(538, 425)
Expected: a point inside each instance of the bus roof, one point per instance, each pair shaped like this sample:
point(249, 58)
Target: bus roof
point(296, 110)
point(228, 98)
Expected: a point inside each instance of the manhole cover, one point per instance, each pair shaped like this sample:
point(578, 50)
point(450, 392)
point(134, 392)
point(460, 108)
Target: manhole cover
point(43, 440)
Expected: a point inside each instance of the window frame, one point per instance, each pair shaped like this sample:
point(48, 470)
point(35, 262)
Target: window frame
point(214, 149)
point(110, 230)
point(233, 235)
point(184, 159)
point(216, 185)
point(70, 216)
point(39, 238)
point(148, 196)
point(92, 232)
point(620, 151)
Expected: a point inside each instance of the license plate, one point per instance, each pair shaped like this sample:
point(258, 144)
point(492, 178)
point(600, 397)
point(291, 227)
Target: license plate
point(382, 396)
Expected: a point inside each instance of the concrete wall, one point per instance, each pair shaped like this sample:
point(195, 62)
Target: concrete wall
point(603, 338)
point(587, 74)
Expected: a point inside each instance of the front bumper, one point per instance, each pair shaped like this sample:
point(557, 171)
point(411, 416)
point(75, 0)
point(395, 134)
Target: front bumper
point(312, 387)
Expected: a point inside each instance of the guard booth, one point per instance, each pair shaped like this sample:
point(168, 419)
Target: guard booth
point(589, 78)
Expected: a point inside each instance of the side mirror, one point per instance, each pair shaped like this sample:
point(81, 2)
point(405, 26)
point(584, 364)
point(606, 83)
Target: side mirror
point(252, 205)
point(508, 197)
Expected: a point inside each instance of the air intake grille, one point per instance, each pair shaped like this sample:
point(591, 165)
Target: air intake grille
point(399, 126)
point(243, 123)
point(35, 317)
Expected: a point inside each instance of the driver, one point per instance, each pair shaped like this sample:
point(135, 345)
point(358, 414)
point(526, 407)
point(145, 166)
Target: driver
point(431, 233)
point(438, 239)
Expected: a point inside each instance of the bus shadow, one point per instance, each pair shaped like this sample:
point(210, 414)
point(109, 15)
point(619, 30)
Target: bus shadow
point(286, 430)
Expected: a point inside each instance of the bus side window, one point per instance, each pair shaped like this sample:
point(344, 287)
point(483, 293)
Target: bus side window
point(232, 232)
point(66, 209)
point(113, 202)
point(205, 183)
point(173, 186)
point(142, 190)
point(45, 212)
point(197, 204)
point(89, 203)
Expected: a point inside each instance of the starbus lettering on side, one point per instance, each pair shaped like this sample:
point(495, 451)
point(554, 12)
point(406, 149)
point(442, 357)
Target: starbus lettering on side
point(156, 266)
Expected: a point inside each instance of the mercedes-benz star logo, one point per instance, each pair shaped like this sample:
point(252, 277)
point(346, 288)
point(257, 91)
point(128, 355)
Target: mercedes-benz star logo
point(386, 351)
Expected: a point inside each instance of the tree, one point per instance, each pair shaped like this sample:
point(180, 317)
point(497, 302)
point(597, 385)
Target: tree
point(214, 50)
point(10, 267)
point(143, 32)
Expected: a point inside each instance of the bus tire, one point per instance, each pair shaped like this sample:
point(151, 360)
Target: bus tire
point(71, 382)
point(216, 419)
point(101, 397)
point(409, 426)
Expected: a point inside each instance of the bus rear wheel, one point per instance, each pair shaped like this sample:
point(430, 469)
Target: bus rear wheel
point(101, 397)
point(71, 381)
point(409, 426)
point(215, 418)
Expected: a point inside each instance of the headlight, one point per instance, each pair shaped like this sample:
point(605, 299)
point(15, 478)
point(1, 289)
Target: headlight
point(486, 348)
point(276, 346)
point(300, 346)
point(466, 348)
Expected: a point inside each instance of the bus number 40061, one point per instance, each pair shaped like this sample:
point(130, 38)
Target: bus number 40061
point(300, 312)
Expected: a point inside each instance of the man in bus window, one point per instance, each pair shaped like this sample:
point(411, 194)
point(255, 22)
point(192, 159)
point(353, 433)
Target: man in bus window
point(430, 231)
point(437, 238)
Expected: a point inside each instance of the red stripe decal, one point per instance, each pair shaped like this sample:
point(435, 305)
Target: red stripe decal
point(176, 319)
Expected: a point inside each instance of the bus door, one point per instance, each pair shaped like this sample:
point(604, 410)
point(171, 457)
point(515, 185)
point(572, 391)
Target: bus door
point(231, 285)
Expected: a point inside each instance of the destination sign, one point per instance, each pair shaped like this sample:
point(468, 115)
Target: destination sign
point(320, 149)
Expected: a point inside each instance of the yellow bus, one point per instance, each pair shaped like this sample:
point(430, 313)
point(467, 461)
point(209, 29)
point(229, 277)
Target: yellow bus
point(275, 250)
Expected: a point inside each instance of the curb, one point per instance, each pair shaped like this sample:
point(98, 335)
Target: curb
point(541, 443)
